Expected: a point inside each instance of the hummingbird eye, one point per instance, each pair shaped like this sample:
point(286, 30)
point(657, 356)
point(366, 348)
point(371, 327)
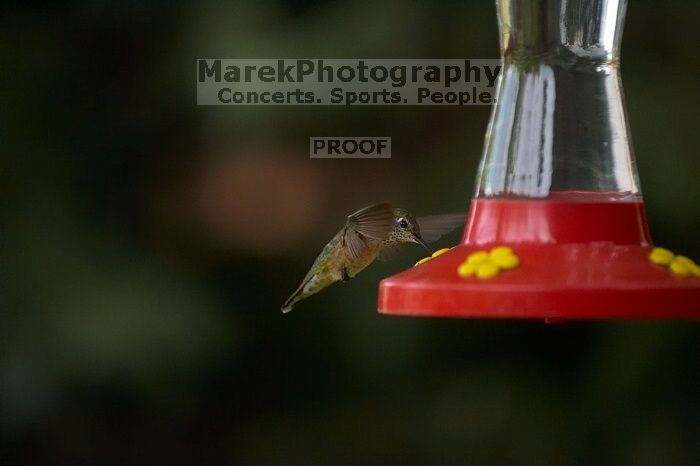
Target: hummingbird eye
point(403, 223)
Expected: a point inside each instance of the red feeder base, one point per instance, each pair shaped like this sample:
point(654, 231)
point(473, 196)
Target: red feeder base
point(578, 260)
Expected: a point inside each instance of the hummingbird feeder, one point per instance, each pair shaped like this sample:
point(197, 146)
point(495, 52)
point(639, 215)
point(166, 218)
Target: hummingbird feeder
point(557, 228)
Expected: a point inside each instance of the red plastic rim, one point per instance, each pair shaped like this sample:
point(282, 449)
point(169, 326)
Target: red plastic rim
point(578, 260)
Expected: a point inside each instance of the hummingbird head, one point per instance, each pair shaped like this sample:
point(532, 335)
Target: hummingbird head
point(406, 229)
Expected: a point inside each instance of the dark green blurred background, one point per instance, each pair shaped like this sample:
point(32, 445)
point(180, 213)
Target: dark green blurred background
point(147, 244)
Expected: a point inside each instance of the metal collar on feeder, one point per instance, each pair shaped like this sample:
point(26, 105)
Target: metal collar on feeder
point(557, 228)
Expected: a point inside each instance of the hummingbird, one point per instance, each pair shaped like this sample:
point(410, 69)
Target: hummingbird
point(373, 232)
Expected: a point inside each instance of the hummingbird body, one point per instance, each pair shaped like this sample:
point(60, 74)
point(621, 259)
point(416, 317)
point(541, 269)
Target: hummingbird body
point(370, 233)
point(332, 265)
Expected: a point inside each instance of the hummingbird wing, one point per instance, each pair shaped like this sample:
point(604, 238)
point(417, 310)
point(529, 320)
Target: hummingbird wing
point(433, 227)
point(389, 252)
point(375, 222)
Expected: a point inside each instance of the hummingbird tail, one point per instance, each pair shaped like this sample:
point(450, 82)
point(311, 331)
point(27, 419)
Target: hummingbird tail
point(293, 299)
point(287, 306)
point(311, 285)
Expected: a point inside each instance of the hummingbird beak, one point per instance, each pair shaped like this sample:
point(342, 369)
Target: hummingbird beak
point(417, 239)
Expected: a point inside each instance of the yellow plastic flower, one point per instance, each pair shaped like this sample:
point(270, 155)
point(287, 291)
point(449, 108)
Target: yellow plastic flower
point(440, 252)
point(679, 265)
point(487, 270)
point(478, 257)
point(680, 268)
point(661, 256)
point(488, 264)
point(466, 270)
point(423, 260)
